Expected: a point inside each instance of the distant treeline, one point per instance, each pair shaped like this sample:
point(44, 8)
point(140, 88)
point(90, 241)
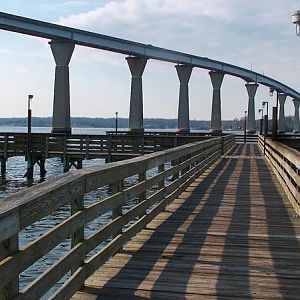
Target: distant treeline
point(150, 123)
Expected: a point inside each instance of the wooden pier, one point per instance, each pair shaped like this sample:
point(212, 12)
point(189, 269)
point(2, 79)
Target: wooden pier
point(231, 235)
point(208, 220)
point(74, 148)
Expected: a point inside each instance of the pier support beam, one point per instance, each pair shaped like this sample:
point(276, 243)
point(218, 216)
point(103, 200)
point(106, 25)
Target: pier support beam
point(216, 80)
point(281, 120)
point(3, 166)
point(251, 89)
point(296, 116)
point(184, 73)
point(136, 66)
point(62, 51)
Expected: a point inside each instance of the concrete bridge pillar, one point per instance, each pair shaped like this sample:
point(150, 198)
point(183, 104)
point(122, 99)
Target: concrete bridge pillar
point(281, 121)
point(251, 89)
point(216, 80)
point(296, 117)
point(136, 66)
point(62, 51)
point(184, 73)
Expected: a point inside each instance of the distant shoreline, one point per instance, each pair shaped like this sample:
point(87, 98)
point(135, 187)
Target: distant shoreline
point(149, 123)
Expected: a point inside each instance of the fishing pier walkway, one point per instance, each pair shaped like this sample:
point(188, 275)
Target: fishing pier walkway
point(205, 220)
point(231, 234)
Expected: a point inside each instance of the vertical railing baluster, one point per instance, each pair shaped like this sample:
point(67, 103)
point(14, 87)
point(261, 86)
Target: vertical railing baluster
point(116, 187)
point(161, 184)
point(142, 177)
point(7, 248)
point(78, 236)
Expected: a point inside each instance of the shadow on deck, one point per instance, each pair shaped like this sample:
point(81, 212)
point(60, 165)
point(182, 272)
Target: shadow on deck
point(230, 235)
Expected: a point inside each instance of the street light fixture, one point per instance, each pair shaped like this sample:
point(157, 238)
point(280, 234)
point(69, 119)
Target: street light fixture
point(271, 91)
point(296, 21)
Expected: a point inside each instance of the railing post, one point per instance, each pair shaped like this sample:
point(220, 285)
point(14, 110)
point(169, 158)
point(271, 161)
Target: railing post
point(174, 163)
point(8, 248)
point(42, 167)
point(109, 149)
point(222, 145)
point(143, 145)
point(265, 131)
point(66, 162)
point(161, 184)
point(274, 123)
point(116, 187)
point(78, 236)
point(87, 150)
point(47, 146)
point(5, 146)
point(3, 166)
point(142, 177)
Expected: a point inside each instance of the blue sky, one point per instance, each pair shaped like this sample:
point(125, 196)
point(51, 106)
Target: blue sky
point(251, 34)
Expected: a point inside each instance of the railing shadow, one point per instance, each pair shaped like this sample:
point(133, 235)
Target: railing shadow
point(186, 222)
point(282, 238)
point(233, 278)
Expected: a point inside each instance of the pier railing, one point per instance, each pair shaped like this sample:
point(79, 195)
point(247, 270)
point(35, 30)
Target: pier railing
point(90, 146)
point(285, 162)
point(156, 180)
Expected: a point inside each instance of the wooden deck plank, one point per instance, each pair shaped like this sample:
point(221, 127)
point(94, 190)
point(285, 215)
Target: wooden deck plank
point(231, 235)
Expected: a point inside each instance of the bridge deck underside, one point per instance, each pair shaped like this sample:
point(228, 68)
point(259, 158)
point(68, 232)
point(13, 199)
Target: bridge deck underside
point(231, 234)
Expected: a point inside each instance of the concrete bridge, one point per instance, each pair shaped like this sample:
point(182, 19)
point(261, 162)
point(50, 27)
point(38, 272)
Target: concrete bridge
point(63, 40)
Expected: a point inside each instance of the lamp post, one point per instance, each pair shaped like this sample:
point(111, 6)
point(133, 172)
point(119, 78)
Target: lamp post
point(267, 114)
point(266, 120)
point(245, 125)
point(29, 173)
point(260, 121)
point(116, 122)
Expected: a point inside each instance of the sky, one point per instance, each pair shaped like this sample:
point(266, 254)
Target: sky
point(257, 35)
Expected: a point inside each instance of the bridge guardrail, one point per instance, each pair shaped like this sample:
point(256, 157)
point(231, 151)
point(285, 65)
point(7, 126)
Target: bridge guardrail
point(18, 211)
point(285, 162)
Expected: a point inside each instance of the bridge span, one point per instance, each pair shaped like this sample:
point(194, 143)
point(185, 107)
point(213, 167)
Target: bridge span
point(63, 40)
point(205, 220)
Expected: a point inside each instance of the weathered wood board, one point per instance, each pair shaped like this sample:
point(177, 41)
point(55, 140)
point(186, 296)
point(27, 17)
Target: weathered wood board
point(231, 235)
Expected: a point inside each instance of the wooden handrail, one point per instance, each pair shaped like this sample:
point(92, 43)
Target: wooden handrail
point(22, 209)
point(285, 163)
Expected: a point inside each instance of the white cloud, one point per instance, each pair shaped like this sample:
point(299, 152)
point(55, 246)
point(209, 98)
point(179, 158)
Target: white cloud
point(55, 6)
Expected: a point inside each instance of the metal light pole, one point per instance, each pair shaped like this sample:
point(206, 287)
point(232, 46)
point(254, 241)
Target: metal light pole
point(29, 173)
point(261, 121)
point(116, 122)
point(265, 123)
point(267, 114)
point(245, 124)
